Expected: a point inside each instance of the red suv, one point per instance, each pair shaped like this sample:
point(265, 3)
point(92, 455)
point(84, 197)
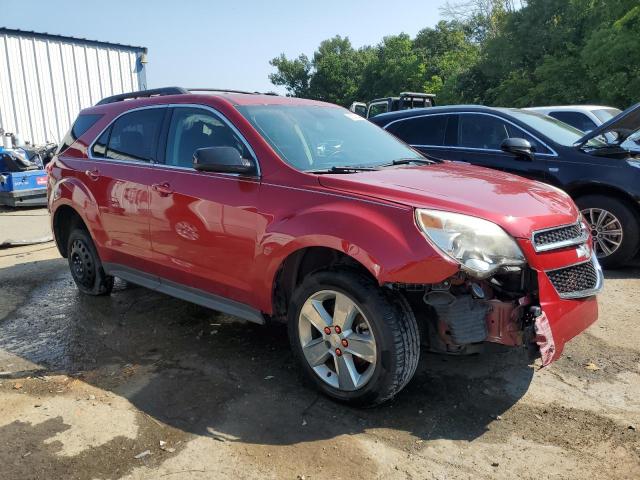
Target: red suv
point(267, 207)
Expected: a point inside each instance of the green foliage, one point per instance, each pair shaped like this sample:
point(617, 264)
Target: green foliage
point(491, 52)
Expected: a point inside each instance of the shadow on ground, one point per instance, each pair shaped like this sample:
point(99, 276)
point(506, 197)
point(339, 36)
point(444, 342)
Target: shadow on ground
point(208, 374)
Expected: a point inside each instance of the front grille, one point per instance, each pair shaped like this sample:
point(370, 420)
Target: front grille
point(558, 237)
point(576, 280)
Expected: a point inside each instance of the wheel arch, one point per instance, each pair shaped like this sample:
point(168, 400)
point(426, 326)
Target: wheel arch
point(65, 218)
point(592, 188)
point(302, 262)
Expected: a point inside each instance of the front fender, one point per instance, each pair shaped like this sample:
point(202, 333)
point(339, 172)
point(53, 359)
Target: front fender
point(383, 238)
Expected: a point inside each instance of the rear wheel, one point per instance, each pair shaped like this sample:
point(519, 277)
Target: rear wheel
point(355, 341)
point(614, 228)
point(84, 263)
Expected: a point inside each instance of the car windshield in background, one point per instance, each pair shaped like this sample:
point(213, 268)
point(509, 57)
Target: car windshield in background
point(606, 114)
point(559, 132)
point(313, 138)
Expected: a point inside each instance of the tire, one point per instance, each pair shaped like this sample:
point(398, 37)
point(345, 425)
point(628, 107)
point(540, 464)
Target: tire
point(85, 265)
point(591, 207)
point(382, 319)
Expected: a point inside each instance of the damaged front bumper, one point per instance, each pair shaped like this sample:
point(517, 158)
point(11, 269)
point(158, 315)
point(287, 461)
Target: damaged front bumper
point(555, 304)
point(565, 313)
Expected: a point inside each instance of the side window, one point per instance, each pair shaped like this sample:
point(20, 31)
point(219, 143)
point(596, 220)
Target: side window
point(377, 109)
point(132, 137)
point(99, 149)
point(427, 130)
point(194, 128)
point(515, 132)
point(575, 119)
point(481, 131)
point(79, 128)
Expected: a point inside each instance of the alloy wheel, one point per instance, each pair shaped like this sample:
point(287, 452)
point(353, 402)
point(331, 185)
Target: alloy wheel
point(337, 340)
point(606, 230)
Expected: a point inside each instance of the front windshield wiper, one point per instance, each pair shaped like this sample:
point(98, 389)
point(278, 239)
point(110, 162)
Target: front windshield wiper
point(344, 169)
point(406, 161)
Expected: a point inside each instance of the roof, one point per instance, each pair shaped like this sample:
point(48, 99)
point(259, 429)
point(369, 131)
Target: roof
point(262, 99)
point(384, 118)
point(569, 108)
point(63, 38)
point(168, 95)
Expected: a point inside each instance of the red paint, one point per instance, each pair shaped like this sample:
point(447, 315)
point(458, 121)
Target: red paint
point(502, 323)
point(230, 235)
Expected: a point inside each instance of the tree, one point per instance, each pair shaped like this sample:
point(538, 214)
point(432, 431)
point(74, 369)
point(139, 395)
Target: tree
point(294, 75)
point(494, 52)
point(612, 57)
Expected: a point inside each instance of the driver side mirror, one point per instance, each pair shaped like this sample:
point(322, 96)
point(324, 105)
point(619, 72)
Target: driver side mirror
point(518, 146)
point(222, 160)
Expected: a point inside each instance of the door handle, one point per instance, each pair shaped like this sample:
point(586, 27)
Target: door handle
point(164, 189)
point(93, 174)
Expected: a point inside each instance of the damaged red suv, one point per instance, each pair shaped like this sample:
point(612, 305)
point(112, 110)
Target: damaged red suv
point(266, 207)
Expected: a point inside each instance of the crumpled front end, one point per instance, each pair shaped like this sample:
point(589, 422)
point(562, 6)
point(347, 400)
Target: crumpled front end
point(568, 277)
point(540, 305)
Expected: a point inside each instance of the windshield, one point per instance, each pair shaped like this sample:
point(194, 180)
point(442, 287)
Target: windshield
point(319, 138)
point(606, 114)
point(559, 132)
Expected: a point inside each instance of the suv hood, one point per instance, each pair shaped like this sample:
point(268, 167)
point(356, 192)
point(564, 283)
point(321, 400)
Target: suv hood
point(518, 205)
point(624, 125)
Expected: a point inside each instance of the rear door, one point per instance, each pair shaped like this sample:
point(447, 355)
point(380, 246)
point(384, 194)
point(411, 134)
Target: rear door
point(204, 224)
point(119, 173)
point(426, 133)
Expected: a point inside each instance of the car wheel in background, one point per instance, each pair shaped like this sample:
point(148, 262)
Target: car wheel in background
point(614, 227)
point(354, 340)
point(84, 263)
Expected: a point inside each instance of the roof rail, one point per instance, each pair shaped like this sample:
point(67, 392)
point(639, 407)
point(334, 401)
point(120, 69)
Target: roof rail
point(417, 94)
point(143, 93)
point(222, 90)
point(228, 90)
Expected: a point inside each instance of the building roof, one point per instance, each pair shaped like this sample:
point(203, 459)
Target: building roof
point(63, 38)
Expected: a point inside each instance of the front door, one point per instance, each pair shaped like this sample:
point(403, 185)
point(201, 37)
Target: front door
point(204, 224)
point(479, 137)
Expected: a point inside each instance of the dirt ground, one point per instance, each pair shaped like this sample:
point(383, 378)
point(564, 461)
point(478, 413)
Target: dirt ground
point(142, 386)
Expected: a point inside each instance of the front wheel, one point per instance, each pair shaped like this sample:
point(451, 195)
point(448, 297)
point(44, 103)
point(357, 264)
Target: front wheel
point(355, 341)
point(614, 228)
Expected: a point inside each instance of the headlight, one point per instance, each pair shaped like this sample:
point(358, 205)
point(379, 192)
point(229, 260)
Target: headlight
point(481, 247)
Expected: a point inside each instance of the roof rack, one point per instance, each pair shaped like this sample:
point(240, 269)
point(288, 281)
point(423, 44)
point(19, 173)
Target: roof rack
point(154, 92)
point(228, 90)
point(222, 90)
point(159, 92)
point(417, 94)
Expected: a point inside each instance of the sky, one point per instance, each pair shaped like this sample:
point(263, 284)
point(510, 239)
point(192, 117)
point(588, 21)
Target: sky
point(221, 44)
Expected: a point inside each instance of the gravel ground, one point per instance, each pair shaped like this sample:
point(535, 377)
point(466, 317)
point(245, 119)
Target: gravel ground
point(139, 385)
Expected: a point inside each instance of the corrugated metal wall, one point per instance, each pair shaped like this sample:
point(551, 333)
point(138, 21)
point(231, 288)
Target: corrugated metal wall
point(46, 80)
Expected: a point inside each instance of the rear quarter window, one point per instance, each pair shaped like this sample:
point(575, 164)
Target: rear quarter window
point(132, 137)
point(79, 128)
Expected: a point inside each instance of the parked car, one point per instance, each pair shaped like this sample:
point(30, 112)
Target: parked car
point(404, 101)
point(602, 177)
point(266, 207)
point(582, 117)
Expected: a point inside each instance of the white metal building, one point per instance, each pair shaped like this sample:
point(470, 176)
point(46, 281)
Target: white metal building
point(45, 80)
